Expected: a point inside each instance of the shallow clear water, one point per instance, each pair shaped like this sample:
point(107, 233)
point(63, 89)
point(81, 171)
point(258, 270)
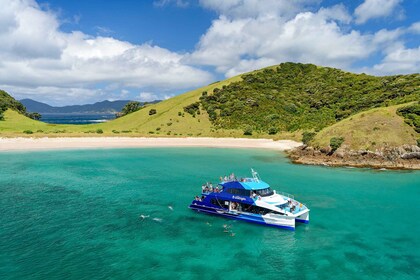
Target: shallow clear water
point(76, 215)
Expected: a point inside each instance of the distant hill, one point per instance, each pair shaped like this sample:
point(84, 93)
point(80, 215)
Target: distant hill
point(103, 107)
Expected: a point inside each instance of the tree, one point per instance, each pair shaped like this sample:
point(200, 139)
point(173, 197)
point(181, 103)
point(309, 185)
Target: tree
point(152, 112)
point(1, 116)
point(307, 137)
point(131, 107)
point(272, 130)
point(248, 130)
point(335, 143)
point(34, 116)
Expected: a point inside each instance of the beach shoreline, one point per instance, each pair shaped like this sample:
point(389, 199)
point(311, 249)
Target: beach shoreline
point(64, 143)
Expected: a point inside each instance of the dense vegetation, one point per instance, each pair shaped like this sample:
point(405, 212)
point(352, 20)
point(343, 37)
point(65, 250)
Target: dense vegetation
point(411, 115)
point(300, 96)
point(8, 102)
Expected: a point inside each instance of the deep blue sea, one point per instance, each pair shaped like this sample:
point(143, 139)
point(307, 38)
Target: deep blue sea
point(77, 215)
point(76, 118)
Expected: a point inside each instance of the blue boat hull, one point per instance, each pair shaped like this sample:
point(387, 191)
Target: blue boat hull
point(247, 218)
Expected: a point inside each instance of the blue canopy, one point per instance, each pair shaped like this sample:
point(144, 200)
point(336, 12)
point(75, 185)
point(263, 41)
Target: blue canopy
point(247, 185)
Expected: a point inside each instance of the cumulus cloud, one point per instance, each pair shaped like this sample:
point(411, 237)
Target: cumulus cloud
point(256, 8)
point(235, 45)
point(36, 54)
point(250, 34)
point(371, 9)
point(400, 60)
point(147, 96)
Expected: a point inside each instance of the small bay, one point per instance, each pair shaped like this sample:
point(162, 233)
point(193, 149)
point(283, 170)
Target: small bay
point(77, 214)
point(76, 118)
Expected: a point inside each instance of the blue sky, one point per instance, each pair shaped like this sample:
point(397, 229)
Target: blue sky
point(72, 52)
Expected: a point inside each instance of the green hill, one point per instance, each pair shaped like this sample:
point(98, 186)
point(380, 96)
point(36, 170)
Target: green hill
point(293, 97)
point(280, 101)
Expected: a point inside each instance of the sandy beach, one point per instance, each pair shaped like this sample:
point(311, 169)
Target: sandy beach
point(29, 144)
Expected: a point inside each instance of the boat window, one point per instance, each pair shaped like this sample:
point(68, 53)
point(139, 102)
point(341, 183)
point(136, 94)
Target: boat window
point(241, 192)
point(264, 192)
point(254, 209)
point(219, 203)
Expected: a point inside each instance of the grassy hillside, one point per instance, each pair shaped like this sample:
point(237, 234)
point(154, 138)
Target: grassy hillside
point(369, 130)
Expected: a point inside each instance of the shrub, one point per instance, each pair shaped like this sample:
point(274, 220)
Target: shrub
point(115, 131)
point(99, 131)
point(157, 128)
point(130, 107)
point(248, 130)
point(418, 142)
point(179, 114)
point(1, 116)
point(307, 137)
point(169, 124)
point(272, 130)
point(152, 112)
point(34, 116)
point(192, 108)
point(40, 130)
point(336, 142)
point(28, 131)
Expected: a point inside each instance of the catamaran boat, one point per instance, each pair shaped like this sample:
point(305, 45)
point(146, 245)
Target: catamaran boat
point(251, 200)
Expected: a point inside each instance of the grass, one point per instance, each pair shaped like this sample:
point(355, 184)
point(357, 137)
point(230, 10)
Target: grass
point(370, 130)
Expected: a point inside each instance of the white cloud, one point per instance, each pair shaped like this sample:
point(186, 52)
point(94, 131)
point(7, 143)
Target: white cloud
point(55, 95)
point(400, 60)
point(35, 54)
point(415, 28)
point(178, 3)
point(371, 9)
point(253, 34)
point(256, 8)
point(147, 96)
point(236, 45)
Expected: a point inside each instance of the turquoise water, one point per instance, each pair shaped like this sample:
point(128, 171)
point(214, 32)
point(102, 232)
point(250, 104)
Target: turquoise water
point(77, 215)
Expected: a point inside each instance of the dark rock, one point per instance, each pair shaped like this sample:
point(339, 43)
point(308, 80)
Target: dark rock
point(415, 155)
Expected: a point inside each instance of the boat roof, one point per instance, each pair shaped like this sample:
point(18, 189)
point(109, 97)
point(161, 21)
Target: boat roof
point(247, 184)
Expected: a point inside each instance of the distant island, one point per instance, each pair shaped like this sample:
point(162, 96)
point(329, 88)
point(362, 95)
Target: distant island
point(341, 118)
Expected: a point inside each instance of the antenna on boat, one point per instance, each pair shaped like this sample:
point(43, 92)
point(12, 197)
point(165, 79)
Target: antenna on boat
point(255, 175)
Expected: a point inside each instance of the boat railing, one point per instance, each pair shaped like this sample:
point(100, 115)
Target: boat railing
point(286, 194)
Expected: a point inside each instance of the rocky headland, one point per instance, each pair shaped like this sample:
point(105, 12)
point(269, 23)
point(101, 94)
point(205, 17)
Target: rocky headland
point(403, 157)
